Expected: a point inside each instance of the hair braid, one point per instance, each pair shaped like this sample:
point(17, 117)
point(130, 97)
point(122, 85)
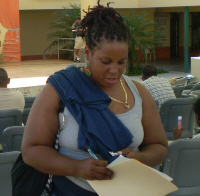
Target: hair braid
point(103, 22)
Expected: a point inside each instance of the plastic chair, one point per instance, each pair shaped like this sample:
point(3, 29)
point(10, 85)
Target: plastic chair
point(178, 90)
point(25, 115)
point(180, 82)
point(195, 92)
point(29, 102)
point(188, 89)
point(7, 161)
point(171, 109)
point(148, 53)
point(12, 138)
point(182, 164)
point(196, 87)
point(9, 118)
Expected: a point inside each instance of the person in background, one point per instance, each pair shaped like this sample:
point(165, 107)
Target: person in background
point(178, 132)
point(9, 99)
point(79, 41)
point(160, 88)
point(104, 111)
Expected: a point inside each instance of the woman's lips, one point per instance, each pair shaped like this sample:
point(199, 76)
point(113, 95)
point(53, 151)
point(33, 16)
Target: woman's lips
point(111, 80)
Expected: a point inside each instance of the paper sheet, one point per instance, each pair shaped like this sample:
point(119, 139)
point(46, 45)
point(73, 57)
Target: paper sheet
point(133, 178)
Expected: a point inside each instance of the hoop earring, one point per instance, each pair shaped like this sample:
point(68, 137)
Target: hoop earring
point(87, 71)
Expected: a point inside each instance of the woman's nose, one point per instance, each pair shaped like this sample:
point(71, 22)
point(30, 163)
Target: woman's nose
point(113, 68)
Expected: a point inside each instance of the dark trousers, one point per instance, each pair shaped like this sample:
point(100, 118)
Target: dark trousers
point(62, 186)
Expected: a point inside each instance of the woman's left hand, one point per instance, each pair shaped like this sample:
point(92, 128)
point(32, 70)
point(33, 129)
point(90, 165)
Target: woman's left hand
point(130, 153)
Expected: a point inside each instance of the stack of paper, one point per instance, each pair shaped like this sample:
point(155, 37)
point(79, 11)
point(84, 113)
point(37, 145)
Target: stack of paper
point(133, 178)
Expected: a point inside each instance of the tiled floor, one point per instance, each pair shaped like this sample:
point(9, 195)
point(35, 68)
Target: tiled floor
point(34, 68)
point(35, 72)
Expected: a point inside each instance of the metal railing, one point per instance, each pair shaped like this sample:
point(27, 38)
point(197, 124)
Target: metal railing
point(65, 49)
point(58, 48)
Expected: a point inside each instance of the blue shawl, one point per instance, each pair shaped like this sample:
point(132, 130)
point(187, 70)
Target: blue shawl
point(99, 128)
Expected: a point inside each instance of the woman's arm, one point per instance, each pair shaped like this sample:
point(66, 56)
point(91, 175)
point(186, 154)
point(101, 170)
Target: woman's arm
point(38, 141)
point(73, 26)
point(154, 147)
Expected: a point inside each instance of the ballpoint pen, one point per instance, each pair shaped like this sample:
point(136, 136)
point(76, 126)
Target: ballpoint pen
point(91, 152)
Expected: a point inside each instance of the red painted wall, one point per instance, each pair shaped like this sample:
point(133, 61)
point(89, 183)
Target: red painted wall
point(9, 18)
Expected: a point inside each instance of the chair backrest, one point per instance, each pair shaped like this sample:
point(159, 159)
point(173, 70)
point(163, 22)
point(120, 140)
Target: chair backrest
point(29, 102)
point(7, 161)
point(178, 90)
point(195, 92)
point(171, 109)
point(188, 89)
point(196, 87)
point(181, 82)
point(189, 86)
point(182, 164)
point(25, 115)
point(9, 118)
point(12, 138)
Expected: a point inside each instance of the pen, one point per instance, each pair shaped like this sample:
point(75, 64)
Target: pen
point(91, 153)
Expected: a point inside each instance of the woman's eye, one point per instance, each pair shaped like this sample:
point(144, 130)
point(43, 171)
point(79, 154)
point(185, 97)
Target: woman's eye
point(122, 62)
point(105, 62)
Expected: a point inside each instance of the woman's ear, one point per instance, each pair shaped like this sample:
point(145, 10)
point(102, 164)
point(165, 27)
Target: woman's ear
point(87, 53)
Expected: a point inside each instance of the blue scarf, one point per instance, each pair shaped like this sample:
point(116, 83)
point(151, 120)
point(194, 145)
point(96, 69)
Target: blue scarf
point(99, 128)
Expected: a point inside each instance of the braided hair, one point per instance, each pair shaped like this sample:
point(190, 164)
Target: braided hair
point(103, 23)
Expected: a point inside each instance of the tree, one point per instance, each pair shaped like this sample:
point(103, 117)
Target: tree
point(62, 25)
point(140, 37)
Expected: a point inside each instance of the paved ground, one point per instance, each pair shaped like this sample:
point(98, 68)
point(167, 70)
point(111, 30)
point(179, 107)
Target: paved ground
point(43, 68)
point(175, 66)
point(168, 76)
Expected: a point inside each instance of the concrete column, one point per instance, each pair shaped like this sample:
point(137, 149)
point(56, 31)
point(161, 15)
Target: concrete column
point(186, 40)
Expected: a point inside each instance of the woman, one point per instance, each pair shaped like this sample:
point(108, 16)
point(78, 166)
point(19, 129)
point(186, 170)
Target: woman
point(104, 109)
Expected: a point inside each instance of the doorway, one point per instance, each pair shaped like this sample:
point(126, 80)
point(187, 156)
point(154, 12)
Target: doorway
point(174, 34)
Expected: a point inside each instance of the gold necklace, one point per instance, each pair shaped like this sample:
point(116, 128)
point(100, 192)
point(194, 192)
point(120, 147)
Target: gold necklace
point(125, 103)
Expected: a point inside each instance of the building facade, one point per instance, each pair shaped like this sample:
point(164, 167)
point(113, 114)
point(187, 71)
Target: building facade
point(174, 20)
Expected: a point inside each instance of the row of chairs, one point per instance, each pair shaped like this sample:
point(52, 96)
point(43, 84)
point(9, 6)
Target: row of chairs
point(181, 164)
point(171, 109)
point(190, 90)
point(169, 112)
point(14, 117)
point(29, 102)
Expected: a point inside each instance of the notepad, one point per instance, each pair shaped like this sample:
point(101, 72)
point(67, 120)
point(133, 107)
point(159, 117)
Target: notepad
point(133, 178)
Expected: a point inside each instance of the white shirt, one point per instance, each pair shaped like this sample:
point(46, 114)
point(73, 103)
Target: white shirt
point(11, 99)
point(160, 88)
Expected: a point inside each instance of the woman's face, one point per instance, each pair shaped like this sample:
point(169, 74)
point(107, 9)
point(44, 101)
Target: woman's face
point(107, 62)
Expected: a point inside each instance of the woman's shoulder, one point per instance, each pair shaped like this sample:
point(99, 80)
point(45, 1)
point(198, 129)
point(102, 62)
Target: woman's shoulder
point(143, 91)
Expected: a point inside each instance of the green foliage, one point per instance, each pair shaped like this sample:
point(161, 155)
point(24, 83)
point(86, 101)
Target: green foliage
point(140, 38)
point(62, 25)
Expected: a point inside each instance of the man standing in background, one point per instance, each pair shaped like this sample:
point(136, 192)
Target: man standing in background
point(79, 42)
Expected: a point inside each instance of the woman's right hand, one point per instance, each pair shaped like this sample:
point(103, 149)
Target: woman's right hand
point(177, 132)
point(92, 169)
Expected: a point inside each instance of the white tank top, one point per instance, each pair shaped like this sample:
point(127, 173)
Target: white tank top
point(69, 135)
